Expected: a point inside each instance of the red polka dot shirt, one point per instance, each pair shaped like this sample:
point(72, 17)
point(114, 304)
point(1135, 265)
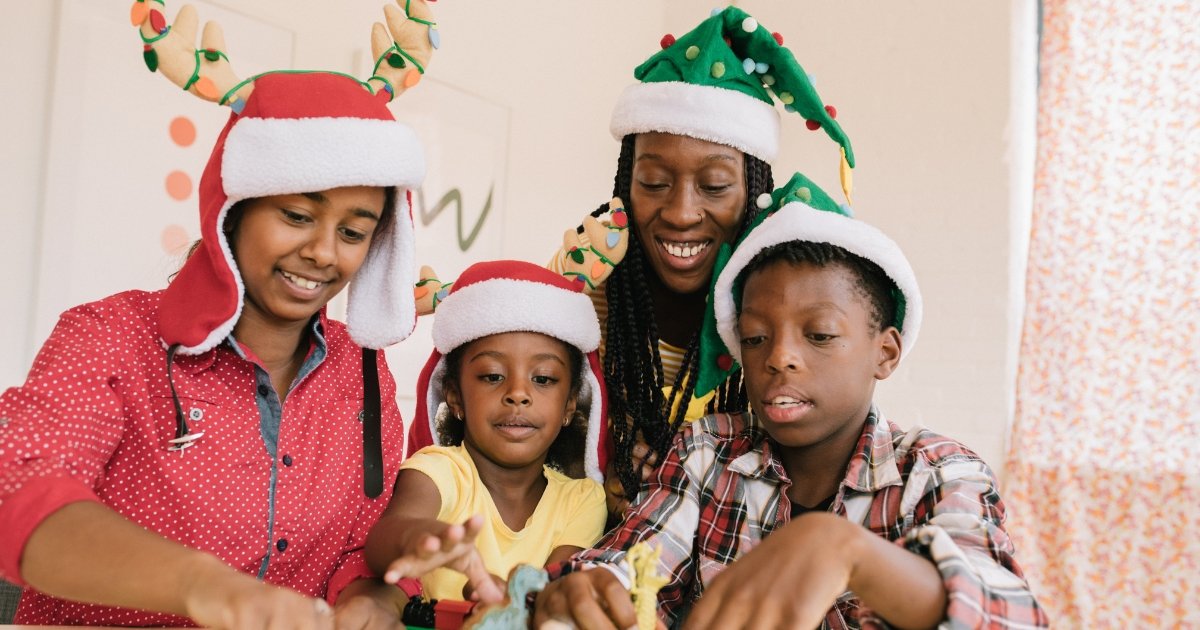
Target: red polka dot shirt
point(93, 420)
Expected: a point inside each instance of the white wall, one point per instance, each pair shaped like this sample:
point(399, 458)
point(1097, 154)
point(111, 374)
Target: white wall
point(924, 89)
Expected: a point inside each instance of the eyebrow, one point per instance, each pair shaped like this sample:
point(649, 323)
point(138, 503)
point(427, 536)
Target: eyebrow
point(358, 212)
point(544, 356)
point(707, 158)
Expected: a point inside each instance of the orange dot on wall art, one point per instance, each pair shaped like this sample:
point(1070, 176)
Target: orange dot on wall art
point(179, 185)
point(183, 131)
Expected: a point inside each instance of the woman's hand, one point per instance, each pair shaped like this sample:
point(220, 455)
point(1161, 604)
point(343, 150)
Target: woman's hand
point(454, 548)
point(644, 460)
point(217, 596)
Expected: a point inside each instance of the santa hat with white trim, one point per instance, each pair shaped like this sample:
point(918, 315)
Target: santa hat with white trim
point(799, 211)
point(302, 132)
point(515, 296)
point(715, 83)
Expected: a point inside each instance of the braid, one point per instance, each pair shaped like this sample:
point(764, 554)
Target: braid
point(633, 369)
point(731, 396)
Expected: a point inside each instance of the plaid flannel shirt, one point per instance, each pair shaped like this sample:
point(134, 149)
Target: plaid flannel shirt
point(720, 491)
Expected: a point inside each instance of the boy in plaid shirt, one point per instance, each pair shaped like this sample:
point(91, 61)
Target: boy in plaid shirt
point(812, 508)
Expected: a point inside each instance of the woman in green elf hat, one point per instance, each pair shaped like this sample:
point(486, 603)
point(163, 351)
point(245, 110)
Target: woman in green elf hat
point(697, 133)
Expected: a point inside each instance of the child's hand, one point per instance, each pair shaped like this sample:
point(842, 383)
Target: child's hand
point(800, 569)
point(454, 549)
point(593, 598)
point(224, 598)
point(471, 594)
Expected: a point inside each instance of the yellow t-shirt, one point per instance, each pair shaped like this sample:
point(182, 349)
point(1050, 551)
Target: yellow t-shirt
point(571, 512)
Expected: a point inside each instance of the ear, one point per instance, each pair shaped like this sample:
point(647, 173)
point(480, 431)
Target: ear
point(569, 411)
point(453, 400)
point(889, 347)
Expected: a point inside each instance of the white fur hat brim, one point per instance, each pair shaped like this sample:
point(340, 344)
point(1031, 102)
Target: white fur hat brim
point(798, 222)
point(704, 112)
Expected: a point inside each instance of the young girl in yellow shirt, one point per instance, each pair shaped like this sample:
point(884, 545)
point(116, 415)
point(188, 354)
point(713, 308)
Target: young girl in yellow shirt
point(513, 395)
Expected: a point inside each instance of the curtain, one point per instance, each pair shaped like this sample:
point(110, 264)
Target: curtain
point(1103, 482)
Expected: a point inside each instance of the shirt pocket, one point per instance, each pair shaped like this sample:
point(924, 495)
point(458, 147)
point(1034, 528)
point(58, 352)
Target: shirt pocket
point(230, 433)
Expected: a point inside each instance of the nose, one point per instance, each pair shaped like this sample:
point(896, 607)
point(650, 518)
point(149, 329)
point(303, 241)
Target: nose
point(784, 355)
point(682, 209)
point(517, 393)
point(321, 247)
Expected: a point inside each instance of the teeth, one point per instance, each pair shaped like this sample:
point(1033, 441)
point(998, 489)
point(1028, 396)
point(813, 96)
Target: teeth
point(684, 250)
point(785, 400)
point(303, 283)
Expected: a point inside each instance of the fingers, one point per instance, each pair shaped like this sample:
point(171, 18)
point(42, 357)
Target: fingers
point(588, 599)
point(185, 24)
point(396, 19)
point(449, 549)
point(615, 598)
point(644, 455)
point(483, 585)
point(213, 38)
point(380, 40)
point(471, 528)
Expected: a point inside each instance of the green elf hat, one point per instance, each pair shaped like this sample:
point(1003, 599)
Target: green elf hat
point(799, 211)
point(715, 83)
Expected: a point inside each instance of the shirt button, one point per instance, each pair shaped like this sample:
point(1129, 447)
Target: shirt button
point(282, 544)
point(262, 390)
point(287, 460)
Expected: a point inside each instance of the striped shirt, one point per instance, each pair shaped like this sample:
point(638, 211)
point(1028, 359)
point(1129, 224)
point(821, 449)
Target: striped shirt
point(721, 490)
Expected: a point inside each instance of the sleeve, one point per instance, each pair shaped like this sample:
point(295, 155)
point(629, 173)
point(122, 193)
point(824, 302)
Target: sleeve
point(586, 515)
point(666, 516)
point(450, 477)
point(59, 429)
point(959, 526)
point(352, 565)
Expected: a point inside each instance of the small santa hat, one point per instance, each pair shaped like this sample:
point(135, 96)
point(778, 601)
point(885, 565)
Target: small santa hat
point(715, 83)
point(515, 296)
point(297, 133)
point(798, 211)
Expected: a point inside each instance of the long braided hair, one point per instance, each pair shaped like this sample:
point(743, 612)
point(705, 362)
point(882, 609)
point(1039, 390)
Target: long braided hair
point(633, 369)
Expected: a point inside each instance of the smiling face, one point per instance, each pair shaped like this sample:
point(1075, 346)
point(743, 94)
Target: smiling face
point(514, 391)
point(811, 352)
point(687, 197)
point(295, 252)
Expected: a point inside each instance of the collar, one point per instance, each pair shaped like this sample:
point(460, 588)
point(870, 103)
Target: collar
point(316, 341)
point(759, 461)
point(872, 466)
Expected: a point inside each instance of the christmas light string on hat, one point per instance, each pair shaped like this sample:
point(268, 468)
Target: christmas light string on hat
point(293, 132)
point(716, 83)
point(207, 72)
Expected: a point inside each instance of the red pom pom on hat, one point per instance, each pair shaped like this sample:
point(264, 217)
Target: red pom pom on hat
point(667, 41)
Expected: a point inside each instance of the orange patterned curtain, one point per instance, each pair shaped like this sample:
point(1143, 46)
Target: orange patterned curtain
point(1104, 463)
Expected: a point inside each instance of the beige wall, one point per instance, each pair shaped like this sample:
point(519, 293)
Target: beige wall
point(924, 90)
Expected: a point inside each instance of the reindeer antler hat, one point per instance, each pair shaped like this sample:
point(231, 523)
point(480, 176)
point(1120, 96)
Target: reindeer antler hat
point(295, 132)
